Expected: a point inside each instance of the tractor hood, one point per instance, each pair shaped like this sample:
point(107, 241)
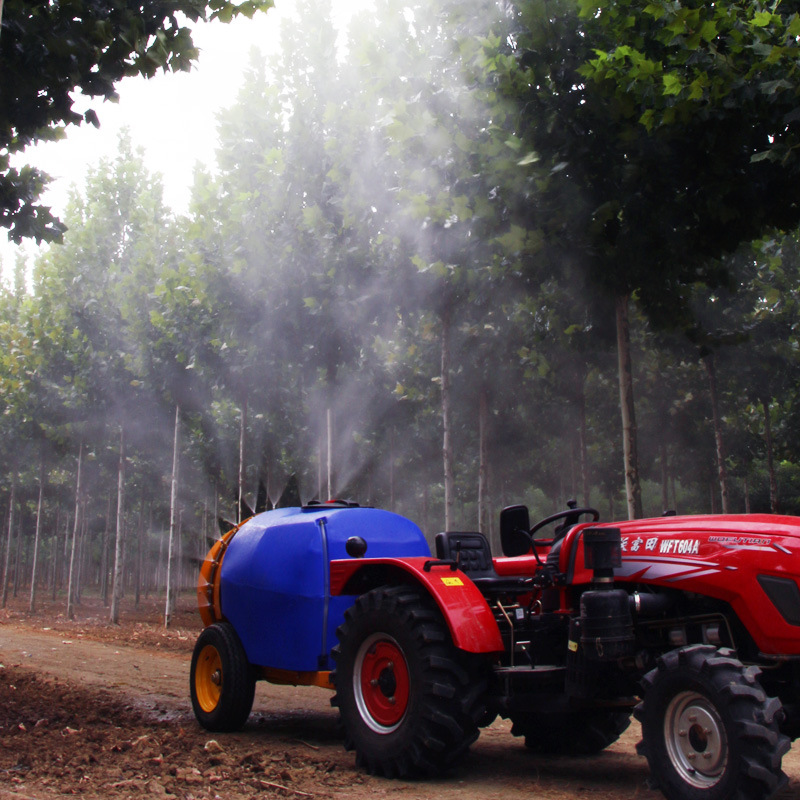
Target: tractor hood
point(735, 525)
point(751, 562)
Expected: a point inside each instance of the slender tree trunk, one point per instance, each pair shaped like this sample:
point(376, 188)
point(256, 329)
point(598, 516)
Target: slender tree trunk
point(773, 482)
point(159, 571)
point(54, 568)
point(81, 557)
point(447, 444)
point(65, 554)
point(722, 472)
point(37, 535)
point(104, 566)
point(116, 586)
point(633, 489)
point(746, 495)
point(583, 440)
point(179, 560)
point(7, 565)
point(201, 551)
point(329, 420)
point(491, 528)
point(150, 576)
point(173, 514)
point(483, 467)
point(664, 476)
point(139, 535)
point(425, 508)
point(242, 430)
point(62, 562)
point(75, 529)
point(573, 468)
point(674, 491)
point(320, 468)
point(18, 556)
point(391, 470)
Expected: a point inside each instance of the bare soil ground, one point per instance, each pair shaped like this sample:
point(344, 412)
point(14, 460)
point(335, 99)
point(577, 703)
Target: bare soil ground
point(99, 710)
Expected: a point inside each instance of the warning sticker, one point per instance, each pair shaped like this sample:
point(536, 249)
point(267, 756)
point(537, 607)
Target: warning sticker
point(452, 582)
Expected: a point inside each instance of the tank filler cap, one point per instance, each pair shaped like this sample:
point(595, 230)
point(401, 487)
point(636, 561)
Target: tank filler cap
point(317, 505)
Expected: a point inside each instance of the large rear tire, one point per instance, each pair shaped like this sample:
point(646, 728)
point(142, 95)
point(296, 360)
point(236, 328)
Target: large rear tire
point(573, 733)
point(222, 682)
point(410, 701)
point(709, 731)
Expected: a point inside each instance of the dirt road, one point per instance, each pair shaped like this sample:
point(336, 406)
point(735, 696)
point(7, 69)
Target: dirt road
point(111, 719)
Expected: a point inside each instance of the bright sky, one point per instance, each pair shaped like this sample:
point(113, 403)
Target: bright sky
point(172, 116)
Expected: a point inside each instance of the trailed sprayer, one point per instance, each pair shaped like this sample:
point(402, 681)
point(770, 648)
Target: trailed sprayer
point(691, 624)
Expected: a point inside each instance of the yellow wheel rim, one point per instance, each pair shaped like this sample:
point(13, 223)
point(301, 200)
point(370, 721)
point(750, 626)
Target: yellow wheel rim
point(208, 678)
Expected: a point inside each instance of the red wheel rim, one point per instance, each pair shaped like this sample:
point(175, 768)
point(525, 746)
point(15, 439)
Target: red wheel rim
point(382, 682)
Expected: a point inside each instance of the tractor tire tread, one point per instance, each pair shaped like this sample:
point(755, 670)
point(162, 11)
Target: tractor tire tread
point(442, 719)
point(757, 740)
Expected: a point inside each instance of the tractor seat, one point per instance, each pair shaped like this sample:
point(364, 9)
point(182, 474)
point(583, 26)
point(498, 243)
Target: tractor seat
point(474, 556)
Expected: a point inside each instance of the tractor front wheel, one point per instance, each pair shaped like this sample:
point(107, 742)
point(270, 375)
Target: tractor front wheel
point(709, 731)
point(222, 683)
point(410, 701)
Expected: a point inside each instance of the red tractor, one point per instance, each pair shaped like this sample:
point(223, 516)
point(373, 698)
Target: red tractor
point(692, 624)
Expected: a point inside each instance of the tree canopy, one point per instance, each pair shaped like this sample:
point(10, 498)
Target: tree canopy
point(402, 286)
point(50, 51)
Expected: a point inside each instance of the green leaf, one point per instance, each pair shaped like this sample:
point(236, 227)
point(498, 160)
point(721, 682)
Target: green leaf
point(514, 240)
point(648, 119)
point(709, 30)
point(672, 84)
point(655, 10)
point(588, 8)
point(772, 87)
point(762, 19)
point(531, 158)
point(697, 87)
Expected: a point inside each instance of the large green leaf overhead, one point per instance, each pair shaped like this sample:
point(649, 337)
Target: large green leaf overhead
point(51, 50)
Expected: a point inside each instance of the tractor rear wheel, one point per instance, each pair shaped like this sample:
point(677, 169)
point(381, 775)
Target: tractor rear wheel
point(222, 683)
point(709, 731)
point(570, 733)
point(410, 701)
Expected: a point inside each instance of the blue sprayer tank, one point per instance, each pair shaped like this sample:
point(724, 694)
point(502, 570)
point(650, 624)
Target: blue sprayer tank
point(274, 578)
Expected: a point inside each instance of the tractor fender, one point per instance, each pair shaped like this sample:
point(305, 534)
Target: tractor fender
point(469, 618)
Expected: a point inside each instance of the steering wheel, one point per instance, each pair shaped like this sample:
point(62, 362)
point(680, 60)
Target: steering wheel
point(571, 515)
